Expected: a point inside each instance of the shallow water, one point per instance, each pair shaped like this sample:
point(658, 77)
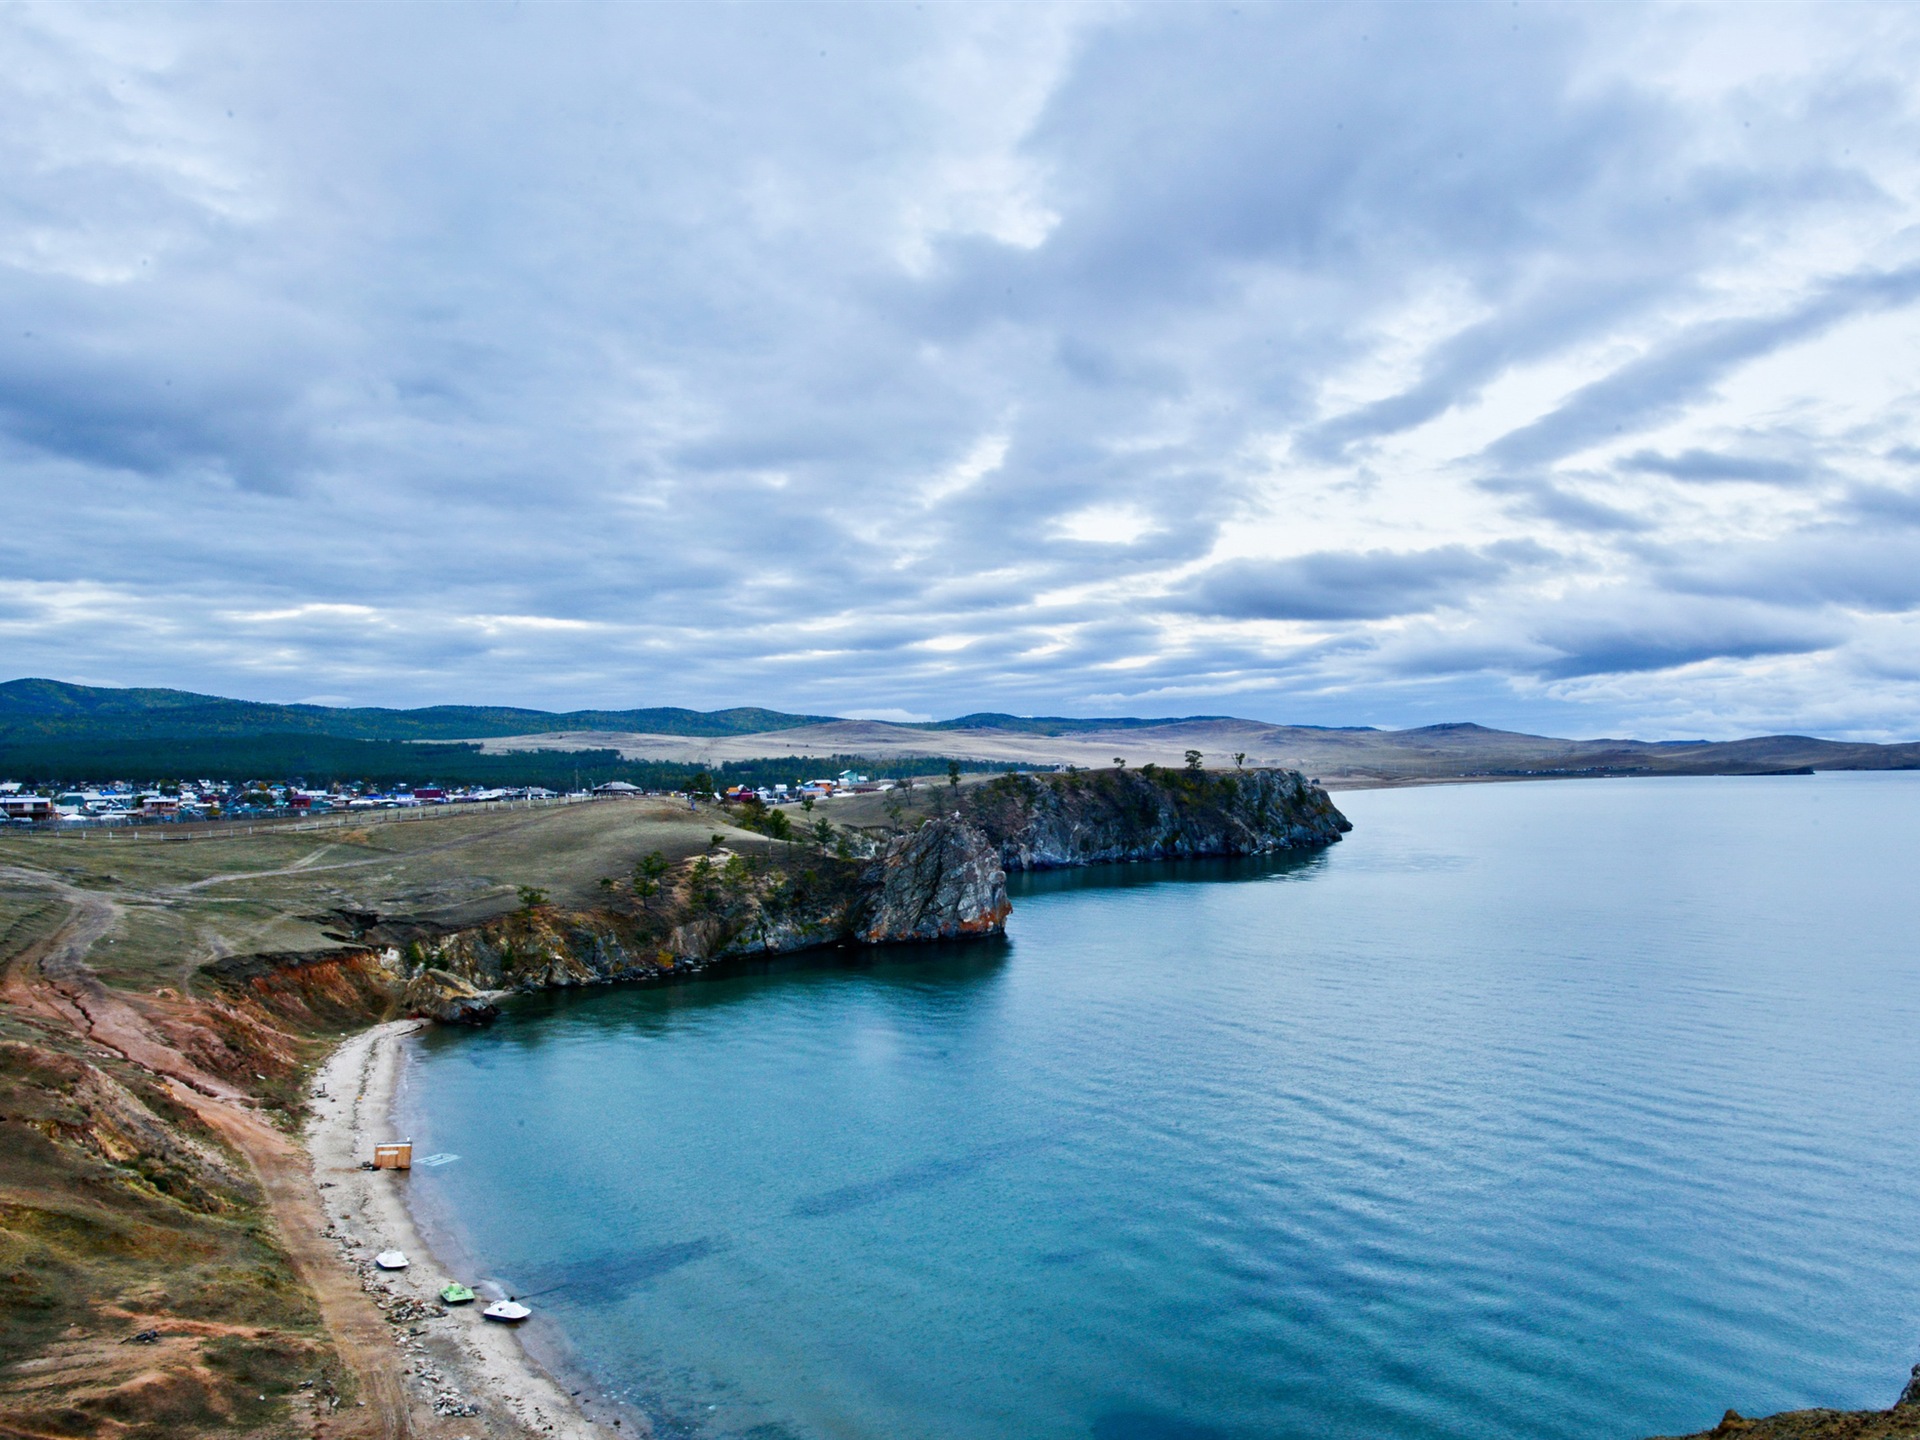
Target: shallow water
point(1562, 1109)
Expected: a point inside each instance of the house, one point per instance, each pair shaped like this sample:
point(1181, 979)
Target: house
point(17, 806)
point(618, 787)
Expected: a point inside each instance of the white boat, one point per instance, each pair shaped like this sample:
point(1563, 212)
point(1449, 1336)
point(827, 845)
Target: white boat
point(506, 1310)
point(390, 1260)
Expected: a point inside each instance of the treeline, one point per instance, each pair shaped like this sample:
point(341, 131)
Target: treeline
point(321, 760)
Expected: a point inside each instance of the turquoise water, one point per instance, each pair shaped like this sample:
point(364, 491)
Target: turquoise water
point(1565, 1109)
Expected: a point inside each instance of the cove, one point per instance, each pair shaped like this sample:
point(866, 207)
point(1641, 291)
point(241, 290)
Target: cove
point(1553, 1109)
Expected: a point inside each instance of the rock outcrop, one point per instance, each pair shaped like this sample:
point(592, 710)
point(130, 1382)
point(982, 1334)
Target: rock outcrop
point(451, 999)
point(1902, 1422)
point(943, 881)
point(1047, 822)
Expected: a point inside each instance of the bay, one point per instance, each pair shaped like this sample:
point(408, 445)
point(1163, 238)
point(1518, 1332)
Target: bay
point(1553, 1109)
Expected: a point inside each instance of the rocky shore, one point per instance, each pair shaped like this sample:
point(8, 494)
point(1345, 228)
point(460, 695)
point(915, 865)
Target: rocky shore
point(941, 876)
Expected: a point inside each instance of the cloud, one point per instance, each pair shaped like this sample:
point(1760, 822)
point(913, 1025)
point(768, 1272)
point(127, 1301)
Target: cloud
point(1659, 385)
point(1358, 585)
point(1547, 500)
point(1712, 467)
point(939, 359)
point(1681, 636)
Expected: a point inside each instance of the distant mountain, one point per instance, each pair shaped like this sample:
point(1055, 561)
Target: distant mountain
point(33, 710)
point(1055, 725)
point(72, 729)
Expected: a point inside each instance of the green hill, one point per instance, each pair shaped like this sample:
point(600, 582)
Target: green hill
point(50, 710)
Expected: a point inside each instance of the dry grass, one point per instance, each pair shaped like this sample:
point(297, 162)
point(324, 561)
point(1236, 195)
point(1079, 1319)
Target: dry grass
point(181, 904)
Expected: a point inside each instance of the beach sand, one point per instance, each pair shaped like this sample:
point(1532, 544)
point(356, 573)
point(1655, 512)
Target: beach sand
point(456, 1359)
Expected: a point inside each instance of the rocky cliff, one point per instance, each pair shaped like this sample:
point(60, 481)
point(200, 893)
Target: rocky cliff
point(943, 881)
point(943, 878)
point(939, 881)
point(1086, 818)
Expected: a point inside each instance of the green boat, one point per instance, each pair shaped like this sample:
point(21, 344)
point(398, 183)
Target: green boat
point(456, 1294)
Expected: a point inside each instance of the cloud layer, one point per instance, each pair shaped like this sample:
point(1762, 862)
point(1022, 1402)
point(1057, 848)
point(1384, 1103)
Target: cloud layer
point(1544, 366)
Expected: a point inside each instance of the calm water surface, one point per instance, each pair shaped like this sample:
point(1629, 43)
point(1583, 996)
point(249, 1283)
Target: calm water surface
point(1567, 1109)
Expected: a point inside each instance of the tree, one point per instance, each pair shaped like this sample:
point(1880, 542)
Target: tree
point(823, 831)
point(1239, 759)
point(777, 826)
point(806, 803)
point(953, 773)
point(532, 899)
point(647, 876)
point(702, 894)
point(701, 784)
point(1194, 758)
point(1119, 762)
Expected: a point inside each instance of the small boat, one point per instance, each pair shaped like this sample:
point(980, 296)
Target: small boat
point(456, 1294)
point(510, 1310)
point(390, 1260)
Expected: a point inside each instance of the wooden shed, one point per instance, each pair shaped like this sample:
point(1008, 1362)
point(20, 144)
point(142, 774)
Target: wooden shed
point(396, 1156)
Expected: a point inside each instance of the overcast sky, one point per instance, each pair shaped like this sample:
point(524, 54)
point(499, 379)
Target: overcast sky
point(1547, 366)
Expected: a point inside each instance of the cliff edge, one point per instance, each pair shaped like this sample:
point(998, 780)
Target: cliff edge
point(923, 878)
point(1042, 822)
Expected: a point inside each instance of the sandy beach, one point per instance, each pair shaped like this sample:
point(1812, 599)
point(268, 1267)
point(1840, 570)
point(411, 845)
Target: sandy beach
point(467, 1376)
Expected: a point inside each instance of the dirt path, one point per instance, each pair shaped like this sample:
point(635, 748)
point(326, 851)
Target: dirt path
point(51, 980)
point(326, 1210)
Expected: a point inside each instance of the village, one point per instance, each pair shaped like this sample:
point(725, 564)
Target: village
point(123, 803)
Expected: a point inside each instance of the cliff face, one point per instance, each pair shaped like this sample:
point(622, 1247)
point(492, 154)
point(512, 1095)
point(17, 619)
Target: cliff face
point(942, 881)
point(1040, 823)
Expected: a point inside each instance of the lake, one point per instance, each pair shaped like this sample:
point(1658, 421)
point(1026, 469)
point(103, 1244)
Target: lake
point(1577, 1108)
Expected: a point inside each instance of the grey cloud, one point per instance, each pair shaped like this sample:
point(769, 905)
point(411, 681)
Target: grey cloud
point(1616, 645)
point(1363, 585)
point(1545, 500)
point(1873, 571)
point(652, 323)
point(1658, 386)
point(1883, 504)
point(1709, 466)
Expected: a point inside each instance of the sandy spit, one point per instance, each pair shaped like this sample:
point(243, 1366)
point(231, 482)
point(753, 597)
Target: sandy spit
point(457, 1359)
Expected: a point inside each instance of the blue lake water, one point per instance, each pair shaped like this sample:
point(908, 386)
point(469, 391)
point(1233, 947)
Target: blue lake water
point(1561, 1109)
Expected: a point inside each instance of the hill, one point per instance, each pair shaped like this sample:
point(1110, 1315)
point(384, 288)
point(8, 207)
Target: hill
point(47, 727)
point(1346, 757)
point(53, 710)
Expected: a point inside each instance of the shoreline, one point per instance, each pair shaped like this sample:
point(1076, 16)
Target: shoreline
point(455, 1361)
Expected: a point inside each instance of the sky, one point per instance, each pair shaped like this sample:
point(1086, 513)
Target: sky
point(1547, 366)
